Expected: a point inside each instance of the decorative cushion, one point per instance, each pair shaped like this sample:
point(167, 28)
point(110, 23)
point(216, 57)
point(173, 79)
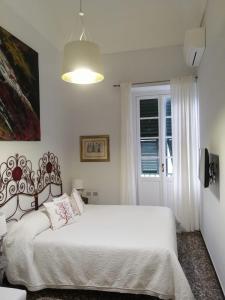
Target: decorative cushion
point(60, 198)
point(77, 202)
point(60, 212)
point(74, 206)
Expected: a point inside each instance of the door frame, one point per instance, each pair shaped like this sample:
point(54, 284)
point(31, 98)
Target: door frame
point(151, 93)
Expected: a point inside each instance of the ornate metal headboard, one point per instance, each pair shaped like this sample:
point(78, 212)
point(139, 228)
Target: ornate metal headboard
point(48, 175)
point(16, 182)
point(22, 192)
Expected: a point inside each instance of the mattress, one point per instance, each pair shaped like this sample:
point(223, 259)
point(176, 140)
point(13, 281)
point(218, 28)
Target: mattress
point(127, 249)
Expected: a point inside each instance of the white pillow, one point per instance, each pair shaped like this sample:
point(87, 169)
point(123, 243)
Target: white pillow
point(76, 201)
point(62, 197)
point(60, 212)
point(74, 207)
point(30, 225)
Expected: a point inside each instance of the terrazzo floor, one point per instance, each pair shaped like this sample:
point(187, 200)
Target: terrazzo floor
point(196, 264)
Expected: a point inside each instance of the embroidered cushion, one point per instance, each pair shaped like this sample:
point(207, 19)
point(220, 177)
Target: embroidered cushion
point(60, 212)
point(77, 202)
point(74, 207)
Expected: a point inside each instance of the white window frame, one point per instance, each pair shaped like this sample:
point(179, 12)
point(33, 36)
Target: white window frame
point(160, 95)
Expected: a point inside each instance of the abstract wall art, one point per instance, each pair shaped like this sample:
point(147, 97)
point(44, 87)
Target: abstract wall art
point(19, 90)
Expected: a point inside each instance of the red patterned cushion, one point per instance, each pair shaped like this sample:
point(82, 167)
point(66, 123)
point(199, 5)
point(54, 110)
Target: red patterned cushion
point(60, 212)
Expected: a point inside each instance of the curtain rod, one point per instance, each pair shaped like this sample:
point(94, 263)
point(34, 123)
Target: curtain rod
point(150, 82)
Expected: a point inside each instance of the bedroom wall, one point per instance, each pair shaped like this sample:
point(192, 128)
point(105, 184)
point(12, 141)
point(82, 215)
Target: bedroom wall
point(55, 105)
point(212, 124)
point(97, 111)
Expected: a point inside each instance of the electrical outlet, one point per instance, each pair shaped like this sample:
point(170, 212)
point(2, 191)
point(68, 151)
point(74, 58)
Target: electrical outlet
point(88, 194)
point(95, 197)
point(92, 195)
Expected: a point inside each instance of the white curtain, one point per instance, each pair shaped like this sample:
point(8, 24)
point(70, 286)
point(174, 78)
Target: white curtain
point(128, 148)
point(186, 152)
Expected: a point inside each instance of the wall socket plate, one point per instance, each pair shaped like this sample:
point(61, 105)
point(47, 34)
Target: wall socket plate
point(92, 195)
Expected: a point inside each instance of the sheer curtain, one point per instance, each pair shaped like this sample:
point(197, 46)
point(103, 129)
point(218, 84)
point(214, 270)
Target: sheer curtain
point(128, 148)
point(186, 151)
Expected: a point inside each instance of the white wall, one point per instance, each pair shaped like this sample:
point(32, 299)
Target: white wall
point(69, 111)
point(55, 109)
point(212, 123)
point(97, 111)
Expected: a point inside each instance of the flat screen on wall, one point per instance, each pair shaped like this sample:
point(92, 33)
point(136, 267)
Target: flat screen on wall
point(204, 167)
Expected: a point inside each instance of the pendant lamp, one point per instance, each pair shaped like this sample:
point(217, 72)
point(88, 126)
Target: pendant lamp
point(82, 63)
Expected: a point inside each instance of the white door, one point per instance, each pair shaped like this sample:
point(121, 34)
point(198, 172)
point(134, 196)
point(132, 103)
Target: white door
point(155, 161)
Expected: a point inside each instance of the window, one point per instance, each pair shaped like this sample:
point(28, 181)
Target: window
point(149, 136)
point(155, 135)
point(168, 137)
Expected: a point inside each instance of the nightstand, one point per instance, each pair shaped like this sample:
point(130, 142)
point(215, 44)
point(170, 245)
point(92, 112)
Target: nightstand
point(85, 199)
point(2, 262)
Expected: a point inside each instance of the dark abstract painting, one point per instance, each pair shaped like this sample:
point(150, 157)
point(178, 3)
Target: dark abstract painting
point(19, 90)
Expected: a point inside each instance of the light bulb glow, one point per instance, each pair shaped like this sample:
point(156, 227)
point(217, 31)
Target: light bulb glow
point(82, 76)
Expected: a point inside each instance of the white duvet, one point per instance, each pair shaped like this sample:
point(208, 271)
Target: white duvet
point(113, 248)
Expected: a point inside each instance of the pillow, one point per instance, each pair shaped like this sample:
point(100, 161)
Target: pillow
point(60, 212)
point(30, 225)
point(74, 207)
point(60, 198)
point(24, 232)
point(76, 201)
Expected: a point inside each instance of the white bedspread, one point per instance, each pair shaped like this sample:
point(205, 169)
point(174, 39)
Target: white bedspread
point(112, 248)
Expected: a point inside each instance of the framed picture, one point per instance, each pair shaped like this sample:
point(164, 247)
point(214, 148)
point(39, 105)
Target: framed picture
point(19, 90)
point(94, 148)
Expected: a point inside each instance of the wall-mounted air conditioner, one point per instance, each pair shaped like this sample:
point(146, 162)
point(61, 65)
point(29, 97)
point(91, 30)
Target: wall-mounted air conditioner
point(194, 46)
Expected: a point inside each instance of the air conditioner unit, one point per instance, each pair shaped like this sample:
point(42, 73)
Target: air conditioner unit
point(194, 46)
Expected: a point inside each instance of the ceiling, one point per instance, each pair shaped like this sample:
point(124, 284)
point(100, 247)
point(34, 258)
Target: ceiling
point(116, 25)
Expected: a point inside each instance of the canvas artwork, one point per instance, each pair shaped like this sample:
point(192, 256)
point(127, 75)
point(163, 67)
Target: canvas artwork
point(19, 90)
point(94, 148)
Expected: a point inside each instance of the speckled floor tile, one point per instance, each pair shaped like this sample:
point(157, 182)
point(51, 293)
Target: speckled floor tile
point(196, 263)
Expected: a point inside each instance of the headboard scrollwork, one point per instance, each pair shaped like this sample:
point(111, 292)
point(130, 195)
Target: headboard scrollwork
point(16, 179)
point(48, 174)
point(19, 188)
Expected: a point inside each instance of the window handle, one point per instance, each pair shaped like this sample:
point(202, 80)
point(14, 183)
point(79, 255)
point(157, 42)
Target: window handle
point(162, 168)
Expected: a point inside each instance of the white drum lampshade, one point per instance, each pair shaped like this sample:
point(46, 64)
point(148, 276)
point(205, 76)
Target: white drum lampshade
point(78, 184)
point(82, 63)
point(3, 227)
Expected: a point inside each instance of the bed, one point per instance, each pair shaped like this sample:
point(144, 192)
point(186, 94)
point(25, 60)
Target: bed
point(116, 248)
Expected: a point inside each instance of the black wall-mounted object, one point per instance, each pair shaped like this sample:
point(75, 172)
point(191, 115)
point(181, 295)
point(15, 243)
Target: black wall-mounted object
point(209, 171)
point(214, 175)
point(204, 167)
point(206, 176)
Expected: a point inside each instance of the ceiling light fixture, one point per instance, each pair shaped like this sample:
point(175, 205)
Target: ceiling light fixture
point(82, 62)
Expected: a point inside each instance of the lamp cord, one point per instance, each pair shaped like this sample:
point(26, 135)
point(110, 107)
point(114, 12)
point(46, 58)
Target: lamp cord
point(81, 10)
point(83, 35)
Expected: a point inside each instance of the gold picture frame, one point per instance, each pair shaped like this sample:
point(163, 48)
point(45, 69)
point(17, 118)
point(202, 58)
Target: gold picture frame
point(94, 148)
